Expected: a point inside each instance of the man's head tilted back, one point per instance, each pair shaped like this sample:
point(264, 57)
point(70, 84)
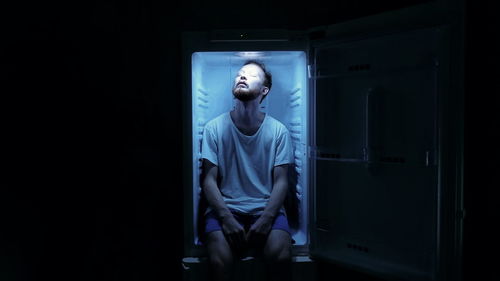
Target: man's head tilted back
point(252, 80)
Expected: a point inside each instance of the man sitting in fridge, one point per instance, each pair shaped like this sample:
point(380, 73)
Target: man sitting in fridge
point(246, 154)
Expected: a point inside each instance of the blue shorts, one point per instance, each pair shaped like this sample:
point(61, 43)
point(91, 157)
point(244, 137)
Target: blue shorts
point(212, 223)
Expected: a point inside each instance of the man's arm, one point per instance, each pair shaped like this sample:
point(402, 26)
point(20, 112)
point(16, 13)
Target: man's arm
point(233, 230)
point(280, 186)
point(212, 192)
point(278, 194)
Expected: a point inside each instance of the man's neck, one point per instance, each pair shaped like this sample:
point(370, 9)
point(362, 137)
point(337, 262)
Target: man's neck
point(246, 115)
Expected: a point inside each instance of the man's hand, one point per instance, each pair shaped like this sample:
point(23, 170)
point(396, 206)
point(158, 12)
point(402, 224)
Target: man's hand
point(235, 234)
point(258, 232)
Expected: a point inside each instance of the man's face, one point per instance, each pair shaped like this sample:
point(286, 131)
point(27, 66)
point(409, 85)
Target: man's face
point(248, 84)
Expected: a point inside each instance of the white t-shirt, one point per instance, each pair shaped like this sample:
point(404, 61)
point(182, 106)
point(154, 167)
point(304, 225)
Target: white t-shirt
point(245, 163)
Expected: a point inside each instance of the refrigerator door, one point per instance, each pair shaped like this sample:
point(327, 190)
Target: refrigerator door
point(377, 188)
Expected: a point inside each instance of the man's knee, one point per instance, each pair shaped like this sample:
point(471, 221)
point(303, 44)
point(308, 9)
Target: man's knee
point(219, 252)
point(278, 255)
point(278, 248)
point(220, 262)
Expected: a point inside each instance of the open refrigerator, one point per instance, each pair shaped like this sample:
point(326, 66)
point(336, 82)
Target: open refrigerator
point(373, 107)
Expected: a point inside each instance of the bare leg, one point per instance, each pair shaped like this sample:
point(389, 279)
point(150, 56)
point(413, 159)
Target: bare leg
point(220, 256)
point(277, 254)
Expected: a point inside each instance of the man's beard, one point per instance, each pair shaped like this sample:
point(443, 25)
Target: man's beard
point(244, 94)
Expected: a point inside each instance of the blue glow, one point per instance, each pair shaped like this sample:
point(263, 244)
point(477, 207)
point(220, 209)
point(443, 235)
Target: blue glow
point(212, 79)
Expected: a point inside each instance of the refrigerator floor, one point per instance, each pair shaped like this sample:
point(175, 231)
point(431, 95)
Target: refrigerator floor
point(247, 269)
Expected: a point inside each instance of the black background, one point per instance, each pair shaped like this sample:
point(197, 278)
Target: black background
point(91, 131)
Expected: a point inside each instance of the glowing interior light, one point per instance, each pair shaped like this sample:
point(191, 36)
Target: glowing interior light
point(251, 54)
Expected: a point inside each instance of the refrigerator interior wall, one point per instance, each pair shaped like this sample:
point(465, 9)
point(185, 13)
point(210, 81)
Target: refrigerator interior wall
point(213, 75)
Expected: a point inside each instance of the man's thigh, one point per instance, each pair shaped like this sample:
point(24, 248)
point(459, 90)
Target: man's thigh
point(278, 244)
point(216, 240)
point(217, 244)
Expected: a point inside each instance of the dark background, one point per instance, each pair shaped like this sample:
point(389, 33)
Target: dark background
point(91, 130)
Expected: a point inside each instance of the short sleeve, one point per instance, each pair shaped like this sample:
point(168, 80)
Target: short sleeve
point(209, 145)
point(284, 149)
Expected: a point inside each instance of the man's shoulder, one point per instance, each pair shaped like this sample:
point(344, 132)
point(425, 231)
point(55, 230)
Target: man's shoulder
point(276, 124)
point(217, 124)
point(220, 119)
